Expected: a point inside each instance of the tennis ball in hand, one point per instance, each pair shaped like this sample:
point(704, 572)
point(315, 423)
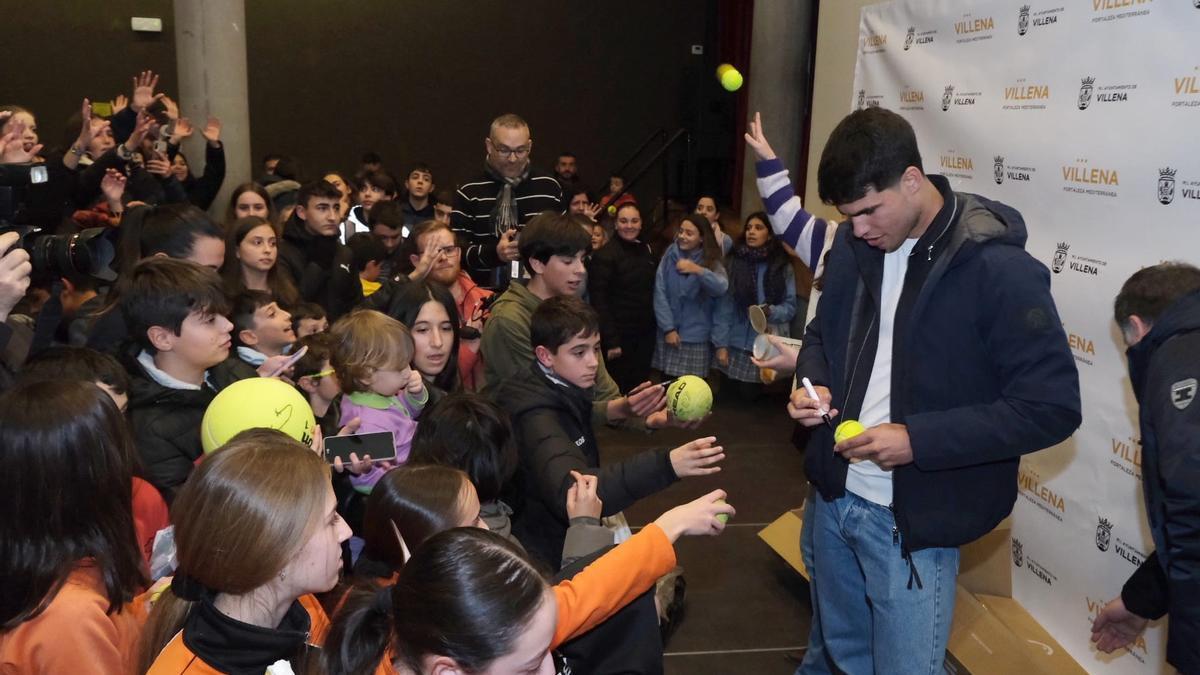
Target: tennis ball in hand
point(731, 79)
point(689, 398)
point(256, 403)
point(723, 517)
point(847, 430)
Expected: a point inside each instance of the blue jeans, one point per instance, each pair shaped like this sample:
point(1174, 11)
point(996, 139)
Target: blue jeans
point(816, 661)
point(878, 614)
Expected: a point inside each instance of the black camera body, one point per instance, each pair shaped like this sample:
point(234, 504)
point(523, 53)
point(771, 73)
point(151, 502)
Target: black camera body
point(87, 254)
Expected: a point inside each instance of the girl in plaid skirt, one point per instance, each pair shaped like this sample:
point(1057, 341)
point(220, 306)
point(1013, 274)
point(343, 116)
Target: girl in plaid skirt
point(689, 284)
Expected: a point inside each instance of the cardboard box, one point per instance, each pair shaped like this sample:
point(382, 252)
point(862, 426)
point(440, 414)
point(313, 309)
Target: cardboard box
point(991, 633)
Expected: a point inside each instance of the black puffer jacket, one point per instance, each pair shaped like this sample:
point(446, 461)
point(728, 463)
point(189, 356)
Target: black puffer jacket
point(552, 425)
point(621, 287)
point(320, 268)
point(166, 429)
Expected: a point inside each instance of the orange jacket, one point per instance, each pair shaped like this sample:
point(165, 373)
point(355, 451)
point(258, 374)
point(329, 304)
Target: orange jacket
point(74, 634)
point(177, 658)
point(602, 588)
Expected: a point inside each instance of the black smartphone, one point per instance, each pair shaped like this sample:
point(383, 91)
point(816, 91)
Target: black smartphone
point(379, 445)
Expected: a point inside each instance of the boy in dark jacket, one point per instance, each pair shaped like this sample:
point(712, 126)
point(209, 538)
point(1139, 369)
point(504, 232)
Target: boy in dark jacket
point(175, 313)
point(550, 406)
point(1158, 311)
point(311, 253)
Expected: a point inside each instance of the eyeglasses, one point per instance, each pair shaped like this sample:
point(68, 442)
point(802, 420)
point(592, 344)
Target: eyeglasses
point(511, 152)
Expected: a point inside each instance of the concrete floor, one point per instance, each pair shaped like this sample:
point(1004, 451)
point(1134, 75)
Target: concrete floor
point(746, 609)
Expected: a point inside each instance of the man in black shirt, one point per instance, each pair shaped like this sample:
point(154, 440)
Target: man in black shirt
point(488, 211)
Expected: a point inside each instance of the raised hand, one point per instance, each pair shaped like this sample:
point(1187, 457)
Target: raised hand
point(212, 131)
point(119, 103)
point(183, 130)
point(757, 140)
point(12, 145)
point(113, 186)
point(143, 90)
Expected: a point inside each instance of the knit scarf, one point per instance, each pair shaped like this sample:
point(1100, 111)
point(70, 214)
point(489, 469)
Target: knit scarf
point(743, 276)
point(504, 215)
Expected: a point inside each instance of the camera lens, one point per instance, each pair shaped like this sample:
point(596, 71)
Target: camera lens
point(86, 254)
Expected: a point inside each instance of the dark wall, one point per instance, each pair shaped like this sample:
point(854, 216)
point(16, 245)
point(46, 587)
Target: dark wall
point(57, 52)
point(422, 80)
point(414, 81)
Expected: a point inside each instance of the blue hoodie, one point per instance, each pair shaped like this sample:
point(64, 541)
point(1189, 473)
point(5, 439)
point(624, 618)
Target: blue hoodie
point(685, 302)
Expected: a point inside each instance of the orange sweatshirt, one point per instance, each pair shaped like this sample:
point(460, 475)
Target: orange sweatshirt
point(74, 634)
point(602, 588)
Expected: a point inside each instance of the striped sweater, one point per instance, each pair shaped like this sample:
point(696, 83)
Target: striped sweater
point(472, 223)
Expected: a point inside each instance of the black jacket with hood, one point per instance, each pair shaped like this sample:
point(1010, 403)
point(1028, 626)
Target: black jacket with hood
point(320, 267)
point(1164, 371)
point(552, 425)
point(981, 369)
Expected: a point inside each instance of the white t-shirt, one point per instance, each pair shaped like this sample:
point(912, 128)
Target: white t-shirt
point(865, 478)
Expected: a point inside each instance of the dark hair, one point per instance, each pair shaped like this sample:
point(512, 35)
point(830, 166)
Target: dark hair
point(364, 249)
point(371, 157)
point(580, 191)
point(170, 229)
point(270, 156)
point(559, 319)
point(418, 501)
point(467, 594)
point(713, 197)
point(868, 149)
point(380, 179)
point(567, 153)
point(1151, 290)
point(75, 363)
point(278, 281)
point(387, 213)
point(243, 307)
point(423, 167)
point(317, 188)
point(405, 305)
point(306, 310)
point(470, 433)
point(549, 234)
point(412, 243)
point(163, 292)
point(287, 168)
point(66, 495)
point(320, 349)
point(444, 197)
point(711, 250)
point(231, 210)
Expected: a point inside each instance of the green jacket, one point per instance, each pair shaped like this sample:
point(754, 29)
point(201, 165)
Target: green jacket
point(507, 353)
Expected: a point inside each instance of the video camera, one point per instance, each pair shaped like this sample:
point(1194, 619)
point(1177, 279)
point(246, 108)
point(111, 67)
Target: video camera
point(31, 212)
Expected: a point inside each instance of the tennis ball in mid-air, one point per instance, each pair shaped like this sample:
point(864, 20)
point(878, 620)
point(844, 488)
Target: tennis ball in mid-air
point(847, 430)
point(731, 79)
point(689, 398)
point(256, 403)
point(612, 210)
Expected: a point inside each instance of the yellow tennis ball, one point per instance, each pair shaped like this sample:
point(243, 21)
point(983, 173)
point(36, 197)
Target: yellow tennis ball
point(847, 430)
point(612, 210)
point(256, 403)
point(722, 69)
point(689, 398)
point(723, 517)
point(731, 80)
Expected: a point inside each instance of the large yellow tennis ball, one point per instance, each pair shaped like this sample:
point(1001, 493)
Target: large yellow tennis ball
point(847, 430)
point(731, 79)
point(689, 398)
point(256, 403)
point(722, 69)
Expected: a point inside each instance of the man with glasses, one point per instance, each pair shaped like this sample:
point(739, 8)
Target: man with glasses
point(490, 210)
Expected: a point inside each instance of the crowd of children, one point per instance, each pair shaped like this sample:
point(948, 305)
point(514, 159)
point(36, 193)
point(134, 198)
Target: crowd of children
point(359, 293)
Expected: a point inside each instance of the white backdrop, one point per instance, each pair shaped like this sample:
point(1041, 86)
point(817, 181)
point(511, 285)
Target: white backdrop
point(1084, 116)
